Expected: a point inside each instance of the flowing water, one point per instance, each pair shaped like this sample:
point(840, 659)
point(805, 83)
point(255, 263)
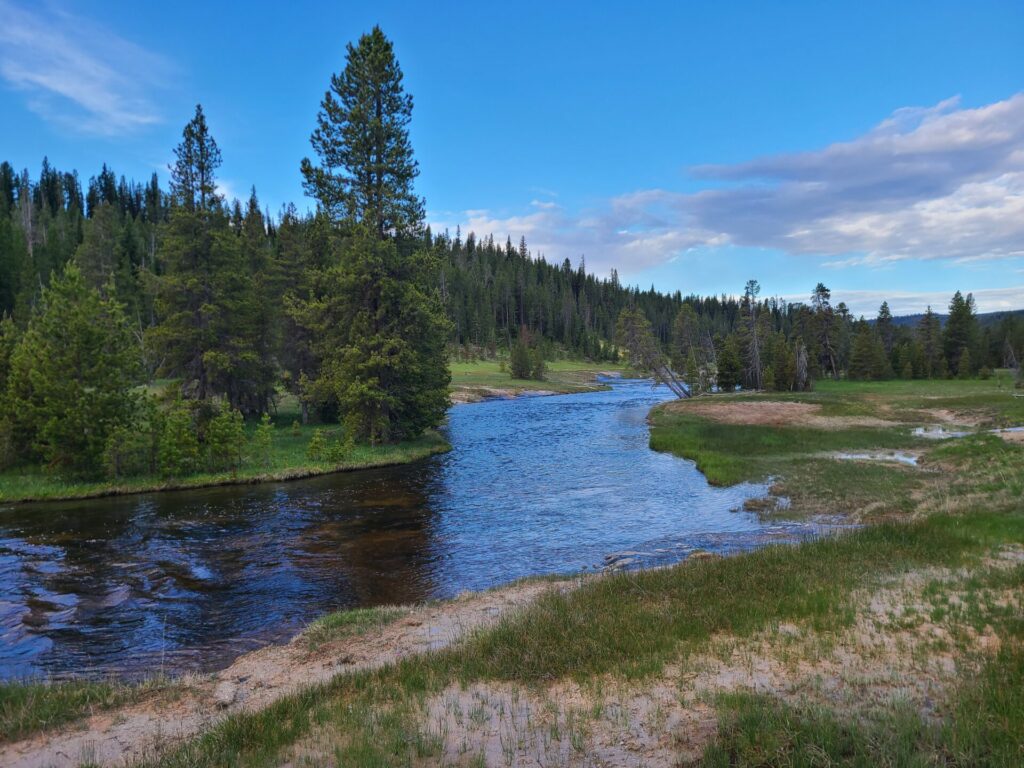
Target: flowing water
point(169, 582)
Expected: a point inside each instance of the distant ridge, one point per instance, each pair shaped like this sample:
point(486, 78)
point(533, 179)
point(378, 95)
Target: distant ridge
point(984, 318)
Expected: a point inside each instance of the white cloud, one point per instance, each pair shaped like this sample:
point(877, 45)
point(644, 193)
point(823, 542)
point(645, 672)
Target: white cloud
point(940, 182)
point(913, 302)
point(77, 74)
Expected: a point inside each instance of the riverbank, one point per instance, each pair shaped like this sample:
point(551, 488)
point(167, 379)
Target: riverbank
point(899, 641)
point(471, 382)
point(288, 461)
point(486, 379)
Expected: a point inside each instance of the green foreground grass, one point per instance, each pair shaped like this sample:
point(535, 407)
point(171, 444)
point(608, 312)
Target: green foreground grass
point(30, 707)
point(631, 626)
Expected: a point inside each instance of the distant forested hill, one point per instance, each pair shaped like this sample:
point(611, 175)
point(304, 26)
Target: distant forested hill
point(985, 319)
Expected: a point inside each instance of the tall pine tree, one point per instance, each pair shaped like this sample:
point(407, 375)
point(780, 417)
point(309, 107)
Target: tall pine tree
point(380, 328)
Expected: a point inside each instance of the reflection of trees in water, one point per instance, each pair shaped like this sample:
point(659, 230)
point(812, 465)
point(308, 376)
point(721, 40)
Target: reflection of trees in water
point(182, 570)
point(377, 544)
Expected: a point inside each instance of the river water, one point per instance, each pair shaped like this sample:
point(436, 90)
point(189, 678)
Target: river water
point(189, 580)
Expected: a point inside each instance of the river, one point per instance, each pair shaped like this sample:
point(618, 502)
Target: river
point(188, 580)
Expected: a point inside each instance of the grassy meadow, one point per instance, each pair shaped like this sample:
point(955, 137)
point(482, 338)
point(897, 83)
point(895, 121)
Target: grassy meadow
point(485, 378)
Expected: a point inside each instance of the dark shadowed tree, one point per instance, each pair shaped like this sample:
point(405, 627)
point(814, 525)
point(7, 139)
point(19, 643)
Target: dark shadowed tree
point(72, 376)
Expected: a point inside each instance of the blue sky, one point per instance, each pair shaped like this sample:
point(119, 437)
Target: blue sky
point(878, 147)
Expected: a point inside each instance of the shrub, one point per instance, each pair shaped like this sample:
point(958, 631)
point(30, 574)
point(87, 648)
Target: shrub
point(539, 368)
point(225, 439)
point(520, 361)
point(262, 441)
point(179, 446)
point(317, 448)
point(985, 373)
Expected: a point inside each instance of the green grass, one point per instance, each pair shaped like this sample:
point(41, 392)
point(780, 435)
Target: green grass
point(349, 623)
point(626, 625)
point(985, 728)
point(907, 400)
point(30, 707)
point(563, 376)
point(731, 453)
point(288, 461)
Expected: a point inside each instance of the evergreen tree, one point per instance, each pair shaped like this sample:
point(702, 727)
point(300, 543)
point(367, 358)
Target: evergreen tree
point(825, 329)
point(381, 329)
point(179, 444)
point(224, 440)
point(207, 332)
point(72, 376)
point(520, 363)
point(380, 333)
point(263, 441)
point(730, 368)
point(362, 140)
point(929, 335)
point(884, 327)
point(868, 360)
point(961, 332)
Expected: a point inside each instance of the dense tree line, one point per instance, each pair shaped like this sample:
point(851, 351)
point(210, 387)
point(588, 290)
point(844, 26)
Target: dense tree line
point(353, 308)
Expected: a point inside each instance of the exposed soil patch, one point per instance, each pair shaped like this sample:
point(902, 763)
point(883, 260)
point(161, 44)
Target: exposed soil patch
point(1012, 436)
point(258, 679)
point(773, 413)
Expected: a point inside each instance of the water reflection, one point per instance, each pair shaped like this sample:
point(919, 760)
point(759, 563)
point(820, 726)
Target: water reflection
point(191, 579)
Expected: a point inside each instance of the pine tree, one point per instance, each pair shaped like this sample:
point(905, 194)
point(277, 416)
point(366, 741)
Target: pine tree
point(72, 376)
point(520, 363)
point(380, 327)
point(207, 310)
point(263, 441)
point(362, 139)
point(825, 329)
point(961, 333)
point(730, 367)
point(884, 327)
point(380, 332)
point(868, 360)
point(224, 440)
point(179, 444)
point(929, 334)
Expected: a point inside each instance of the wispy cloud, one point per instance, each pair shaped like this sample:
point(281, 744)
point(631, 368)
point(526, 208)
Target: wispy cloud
point(940, 182)
point(77, 74)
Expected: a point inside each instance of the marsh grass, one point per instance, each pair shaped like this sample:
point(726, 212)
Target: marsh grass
point(731, 453)
point(349, 623)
